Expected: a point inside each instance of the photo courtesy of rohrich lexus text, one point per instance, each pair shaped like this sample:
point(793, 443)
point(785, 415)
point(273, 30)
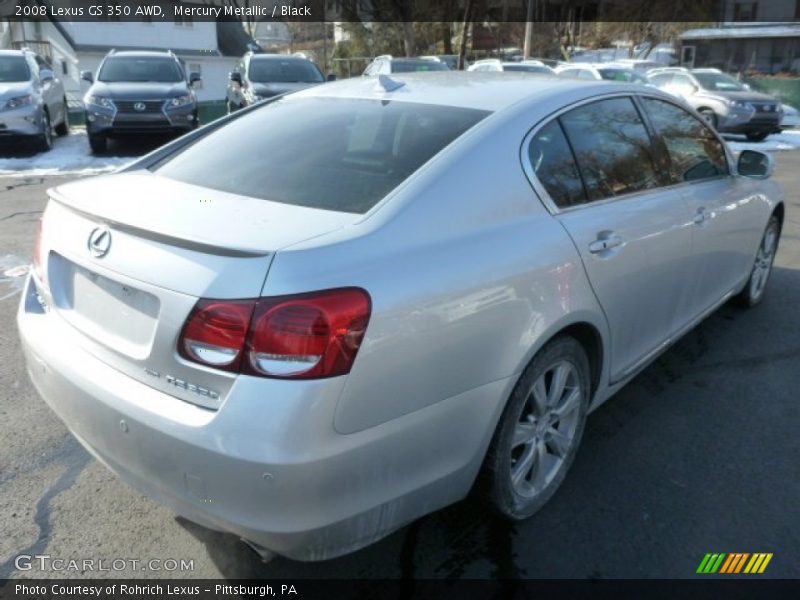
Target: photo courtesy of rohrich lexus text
point(399, 298)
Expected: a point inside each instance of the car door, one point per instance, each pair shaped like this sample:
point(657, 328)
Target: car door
point(631, 232)
point(725, 217)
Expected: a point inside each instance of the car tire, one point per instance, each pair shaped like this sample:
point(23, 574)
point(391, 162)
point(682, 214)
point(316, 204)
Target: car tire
point(753, 291)
point(62, 128)
point(709, 115)
point(757, 137)
point(539, 432)
point(44, 141)
point(98, 143)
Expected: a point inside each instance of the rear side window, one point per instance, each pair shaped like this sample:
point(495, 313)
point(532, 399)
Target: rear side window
point(694, 151)
point(612, 148)
point(329, 153)
point(554, 166)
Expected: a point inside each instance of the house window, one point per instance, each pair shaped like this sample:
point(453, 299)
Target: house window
point(64, 67)
point(745, 11)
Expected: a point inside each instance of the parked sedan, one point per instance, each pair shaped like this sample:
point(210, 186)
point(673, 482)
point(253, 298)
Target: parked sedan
point(309, 359)
point(602, 71)
point(32, 99)
point(523, 66)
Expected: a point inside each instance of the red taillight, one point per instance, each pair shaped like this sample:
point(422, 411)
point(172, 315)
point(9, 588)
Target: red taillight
point(215, 333)
point(306, 336)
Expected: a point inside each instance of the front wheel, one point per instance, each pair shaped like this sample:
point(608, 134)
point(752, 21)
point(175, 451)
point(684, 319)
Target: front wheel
point(62, 128)
point(45, 139)
point(709, 116)
point(98, 143)
point(753, 292)
point(757, 137)
point(540, 430)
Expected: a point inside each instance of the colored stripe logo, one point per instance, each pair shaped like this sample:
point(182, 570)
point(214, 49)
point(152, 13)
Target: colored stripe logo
point(736, 562)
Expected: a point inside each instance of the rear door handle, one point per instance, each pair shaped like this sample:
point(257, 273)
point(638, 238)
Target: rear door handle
point(605, 243)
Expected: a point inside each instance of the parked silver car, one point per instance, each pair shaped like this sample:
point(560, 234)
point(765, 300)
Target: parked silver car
point(343, 325)
point(729, 105)
point(32, 99)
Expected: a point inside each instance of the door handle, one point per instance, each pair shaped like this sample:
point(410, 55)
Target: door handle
point(702, 216)
point(605, 243)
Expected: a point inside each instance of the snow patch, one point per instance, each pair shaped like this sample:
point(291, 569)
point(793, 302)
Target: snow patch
point(786, 140)
point(70, 155)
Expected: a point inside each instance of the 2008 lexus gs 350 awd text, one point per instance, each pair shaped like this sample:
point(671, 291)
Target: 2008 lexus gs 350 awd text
point(329, 314)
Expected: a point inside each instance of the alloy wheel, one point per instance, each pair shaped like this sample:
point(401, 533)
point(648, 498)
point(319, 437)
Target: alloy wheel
point(764, 258)
point(546, 429)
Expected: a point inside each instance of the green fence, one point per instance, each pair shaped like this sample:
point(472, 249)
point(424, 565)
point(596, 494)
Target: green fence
point(208, 111)
point(787, 89)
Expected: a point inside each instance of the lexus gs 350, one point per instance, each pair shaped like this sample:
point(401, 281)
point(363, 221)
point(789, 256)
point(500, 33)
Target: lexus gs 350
point(318, 319)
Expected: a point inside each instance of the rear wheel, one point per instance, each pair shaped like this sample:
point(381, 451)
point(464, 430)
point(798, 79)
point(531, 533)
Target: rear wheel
point(753, 292)
point(62, 128)
point(757, 137)
point(539, 433)
point(98, 143)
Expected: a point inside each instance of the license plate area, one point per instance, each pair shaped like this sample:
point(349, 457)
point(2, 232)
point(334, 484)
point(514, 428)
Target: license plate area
point(115, 314)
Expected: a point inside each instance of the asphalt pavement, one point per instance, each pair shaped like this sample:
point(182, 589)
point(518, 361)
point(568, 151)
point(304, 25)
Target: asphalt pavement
point(700, 453)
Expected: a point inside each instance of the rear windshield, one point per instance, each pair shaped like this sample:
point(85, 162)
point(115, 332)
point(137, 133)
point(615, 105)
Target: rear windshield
point(274, 70)
point(141, 69)
point(334, 154)
point(415, 66)
point(13, 68)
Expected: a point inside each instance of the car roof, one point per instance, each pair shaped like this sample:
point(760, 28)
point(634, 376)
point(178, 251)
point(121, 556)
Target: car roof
point(270, 56)
point(490, 91)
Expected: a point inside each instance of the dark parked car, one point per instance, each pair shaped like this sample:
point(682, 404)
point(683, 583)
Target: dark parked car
point(139, 93)
point(260, 76)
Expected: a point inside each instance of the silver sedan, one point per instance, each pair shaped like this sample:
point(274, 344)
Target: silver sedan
point(383, 291)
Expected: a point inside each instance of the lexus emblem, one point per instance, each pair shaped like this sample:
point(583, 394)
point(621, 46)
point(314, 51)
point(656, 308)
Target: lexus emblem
point(99, 241)
point(140, 106)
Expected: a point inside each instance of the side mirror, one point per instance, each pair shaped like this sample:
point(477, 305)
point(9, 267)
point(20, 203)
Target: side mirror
point(87, 76)
point(236, 77)
point(754, 164)
point(194, 78)
point(46, 75)
point(331, 77)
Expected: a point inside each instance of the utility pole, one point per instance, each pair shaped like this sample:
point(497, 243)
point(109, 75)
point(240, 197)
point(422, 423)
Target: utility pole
point(526, 52)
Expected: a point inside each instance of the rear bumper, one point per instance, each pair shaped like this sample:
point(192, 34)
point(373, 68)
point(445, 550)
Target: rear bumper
point(268, 465)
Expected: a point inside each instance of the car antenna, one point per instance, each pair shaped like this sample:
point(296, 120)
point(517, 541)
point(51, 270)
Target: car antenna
point(388, 84)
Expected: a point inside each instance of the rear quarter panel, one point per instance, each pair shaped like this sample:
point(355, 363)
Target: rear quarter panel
point(468, 275)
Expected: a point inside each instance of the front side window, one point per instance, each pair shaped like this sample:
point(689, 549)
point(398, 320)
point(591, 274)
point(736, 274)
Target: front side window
point(13, 69)
point(278, 70)
point(694, 151)
point(554, 166)
point(612, 148)
point(140, 69)
point(334, 154)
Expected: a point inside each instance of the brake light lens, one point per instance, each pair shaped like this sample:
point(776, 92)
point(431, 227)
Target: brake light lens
point(215, 333)
point(304, 336)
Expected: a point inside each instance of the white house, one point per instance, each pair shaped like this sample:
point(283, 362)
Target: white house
point(211, 48)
